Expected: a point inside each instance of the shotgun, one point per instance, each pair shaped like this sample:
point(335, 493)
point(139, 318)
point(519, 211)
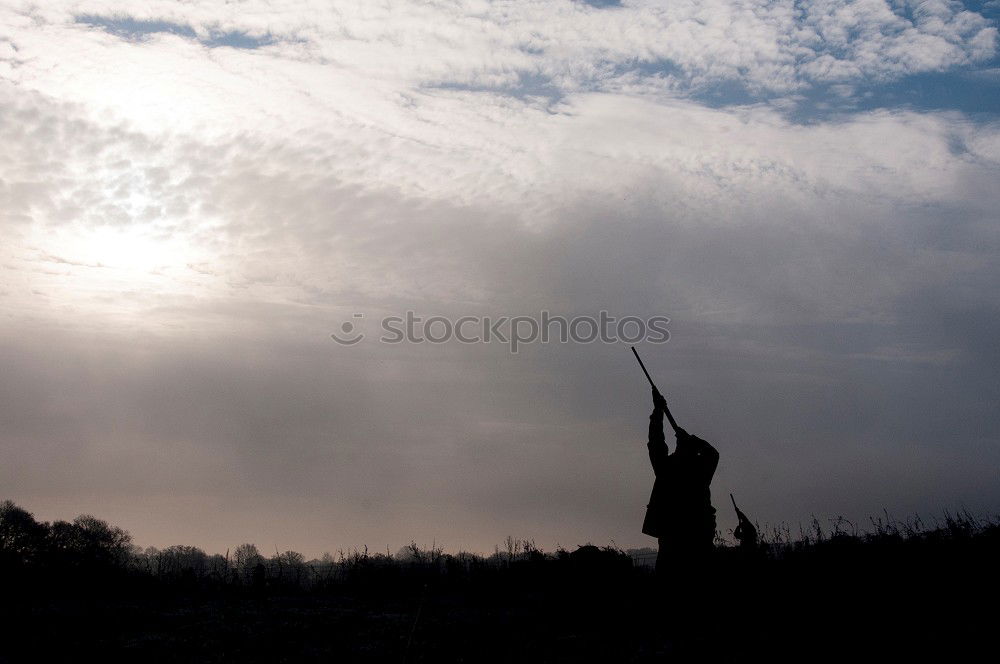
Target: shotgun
point(666, 411)
point(745, 531)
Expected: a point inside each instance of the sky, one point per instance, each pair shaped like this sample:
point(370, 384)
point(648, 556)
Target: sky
point(194, 196)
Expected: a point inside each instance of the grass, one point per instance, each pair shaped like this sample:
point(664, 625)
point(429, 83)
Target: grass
point(894, 589)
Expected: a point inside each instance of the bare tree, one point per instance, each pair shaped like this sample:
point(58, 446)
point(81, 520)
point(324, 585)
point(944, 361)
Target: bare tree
point(245, 558)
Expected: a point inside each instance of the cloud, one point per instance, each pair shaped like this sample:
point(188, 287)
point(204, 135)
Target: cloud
point(292, 219)
point(830, 282)
point(553, 47)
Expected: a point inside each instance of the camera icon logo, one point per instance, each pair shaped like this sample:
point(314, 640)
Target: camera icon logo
point(348, 335)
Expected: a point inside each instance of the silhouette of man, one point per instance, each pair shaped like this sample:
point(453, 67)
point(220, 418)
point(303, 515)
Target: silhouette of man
point(680, 513)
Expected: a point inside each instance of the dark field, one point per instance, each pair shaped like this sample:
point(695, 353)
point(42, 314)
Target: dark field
point(894, 593)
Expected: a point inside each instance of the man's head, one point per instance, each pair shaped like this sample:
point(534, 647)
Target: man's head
point(683, 440)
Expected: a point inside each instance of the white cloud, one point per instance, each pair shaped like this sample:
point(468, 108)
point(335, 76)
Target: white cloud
point(411, 211)
point(216, 211)
point(766, 46)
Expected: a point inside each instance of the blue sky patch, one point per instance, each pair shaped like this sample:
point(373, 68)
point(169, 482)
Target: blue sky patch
point(134, 29)
point(974, 92)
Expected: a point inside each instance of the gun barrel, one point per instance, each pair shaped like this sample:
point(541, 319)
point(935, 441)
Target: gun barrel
point(651, 383)
point(666, 411)
point(734, 502)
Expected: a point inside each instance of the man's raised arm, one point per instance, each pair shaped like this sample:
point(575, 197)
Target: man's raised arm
point(657, 443)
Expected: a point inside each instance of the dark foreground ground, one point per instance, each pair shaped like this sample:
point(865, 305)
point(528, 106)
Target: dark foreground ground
point(81, 592)
point(822, 605)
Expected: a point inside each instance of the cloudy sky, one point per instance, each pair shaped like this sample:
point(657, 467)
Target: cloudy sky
point(194, 195)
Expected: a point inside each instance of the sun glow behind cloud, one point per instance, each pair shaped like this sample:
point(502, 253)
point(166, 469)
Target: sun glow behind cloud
point(104, 274)
point(131, 251)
